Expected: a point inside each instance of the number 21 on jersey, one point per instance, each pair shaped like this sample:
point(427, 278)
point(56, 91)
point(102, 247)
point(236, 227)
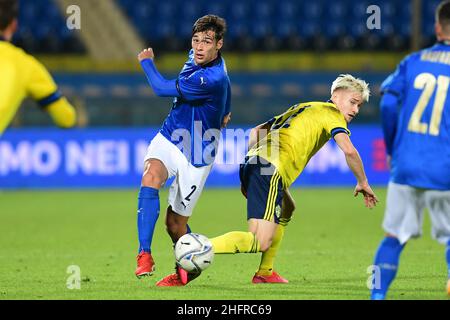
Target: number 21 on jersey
point(427, 82)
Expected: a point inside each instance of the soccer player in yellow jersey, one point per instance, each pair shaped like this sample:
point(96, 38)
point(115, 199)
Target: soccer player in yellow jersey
point(22, 75)
point(279, 151)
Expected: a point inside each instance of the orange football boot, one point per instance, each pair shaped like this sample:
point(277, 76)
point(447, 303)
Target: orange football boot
point(273, 278)
point(178, 279)
point(145, 265)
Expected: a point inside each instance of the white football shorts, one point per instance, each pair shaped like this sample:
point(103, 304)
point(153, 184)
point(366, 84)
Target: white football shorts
point(405, 210)
point(189, 180)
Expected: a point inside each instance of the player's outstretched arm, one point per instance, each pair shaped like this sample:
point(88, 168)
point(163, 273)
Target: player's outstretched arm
point(161, 86)
point(356, 165)
point(43, 89)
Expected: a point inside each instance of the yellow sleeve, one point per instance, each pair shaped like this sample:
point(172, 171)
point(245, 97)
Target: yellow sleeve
point(62, 113)
point(334, 121)
point(40, 83)
point(10, 94)
point(42, 88)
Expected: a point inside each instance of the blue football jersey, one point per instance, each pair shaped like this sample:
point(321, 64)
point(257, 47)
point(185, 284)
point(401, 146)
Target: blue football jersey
point(197, 113)
point(419, 138)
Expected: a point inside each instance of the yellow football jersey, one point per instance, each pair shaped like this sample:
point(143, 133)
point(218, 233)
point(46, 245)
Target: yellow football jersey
point(296, 135)
point(21, 76)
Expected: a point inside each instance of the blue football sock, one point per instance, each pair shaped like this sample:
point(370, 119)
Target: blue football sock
point(447, 257)
point(387, 259)
point(148, 213)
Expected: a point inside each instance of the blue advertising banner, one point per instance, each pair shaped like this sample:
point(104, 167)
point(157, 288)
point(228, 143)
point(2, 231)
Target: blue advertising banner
point(113, 158)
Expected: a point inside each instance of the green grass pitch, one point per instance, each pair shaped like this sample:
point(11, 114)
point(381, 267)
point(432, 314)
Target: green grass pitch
point(325, 254)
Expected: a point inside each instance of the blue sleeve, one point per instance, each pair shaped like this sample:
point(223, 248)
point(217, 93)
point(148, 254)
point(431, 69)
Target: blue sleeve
point(393, 93)
point(389, 114)
point(196, 86)
point(228, 102)
point(396, 82)
point(161, 86)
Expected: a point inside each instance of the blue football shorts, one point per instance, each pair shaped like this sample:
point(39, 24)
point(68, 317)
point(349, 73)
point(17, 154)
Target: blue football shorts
point(263, 186)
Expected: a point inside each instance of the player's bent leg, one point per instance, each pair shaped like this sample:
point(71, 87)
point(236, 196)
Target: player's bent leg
point(155, 174)
point(265, 232)
point(387, 260)
point(235, 242)
point(438, 204)
point(402, 221)
point(258, 239)
point(265, 272)
point(176, 224)
point(183, 196)
point(246, 242)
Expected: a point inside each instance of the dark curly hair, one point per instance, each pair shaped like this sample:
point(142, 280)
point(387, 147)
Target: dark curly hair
point(213, 23)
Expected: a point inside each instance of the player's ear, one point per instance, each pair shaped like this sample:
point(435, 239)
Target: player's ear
point(437, 29)
point(219, 44)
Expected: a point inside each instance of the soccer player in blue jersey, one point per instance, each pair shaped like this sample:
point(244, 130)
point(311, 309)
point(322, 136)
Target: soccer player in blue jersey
point(201, 106)
point(416, 123)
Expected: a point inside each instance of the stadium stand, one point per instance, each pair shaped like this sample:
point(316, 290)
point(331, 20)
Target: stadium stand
point(282, 24)
point(253, 24)
point(42, 29)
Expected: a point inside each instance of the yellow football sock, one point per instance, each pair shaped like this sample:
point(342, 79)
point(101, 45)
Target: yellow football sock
point(268, 257)
point(236, 242)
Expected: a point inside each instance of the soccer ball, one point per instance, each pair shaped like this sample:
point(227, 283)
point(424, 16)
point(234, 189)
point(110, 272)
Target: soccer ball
point(194, 252)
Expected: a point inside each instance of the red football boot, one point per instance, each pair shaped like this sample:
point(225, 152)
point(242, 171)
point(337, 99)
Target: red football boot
point(172, 280)
point(183, 274)
point(273, 278)
point(178, 279)
point(145, 265)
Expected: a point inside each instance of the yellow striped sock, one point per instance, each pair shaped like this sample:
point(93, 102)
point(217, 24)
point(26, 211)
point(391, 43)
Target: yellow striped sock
point(236, 242)
point(268, 257)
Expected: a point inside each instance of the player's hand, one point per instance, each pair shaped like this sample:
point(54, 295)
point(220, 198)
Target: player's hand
point(226, 119)
point(146, 54)
point(370, 199)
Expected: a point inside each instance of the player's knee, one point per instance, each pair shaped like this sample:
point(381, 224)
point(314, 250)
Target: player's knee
point(264, 243)
point(151, 180)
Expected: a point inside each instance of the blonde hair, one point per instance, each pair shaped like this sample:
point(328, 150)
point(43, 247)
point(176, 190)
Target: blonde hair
point(349, 82)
